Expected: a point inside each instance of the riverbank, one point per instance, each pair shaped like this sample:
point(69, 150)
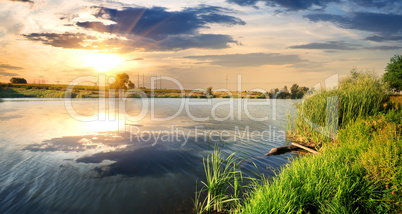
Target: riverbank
point(359, 172)
point(8, 90)
point(359, 168)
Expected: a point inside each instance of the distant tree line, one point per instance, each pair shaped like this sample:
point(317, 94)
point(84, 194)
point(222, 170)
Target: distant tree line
point(296, 92)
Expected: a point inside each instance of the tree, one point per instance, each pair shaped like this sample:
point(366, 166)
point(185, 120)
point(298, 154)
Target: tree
point(18, 80)
point(303, 89)
point(122, 80)
point(131, 85)
point(294, 91)
point(393, 74)
point(209, 91)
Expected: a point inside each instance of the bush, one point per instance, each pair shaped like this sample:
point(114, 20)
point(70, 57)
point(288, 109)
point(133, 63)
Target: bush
point(17, 80)
point(393, 74)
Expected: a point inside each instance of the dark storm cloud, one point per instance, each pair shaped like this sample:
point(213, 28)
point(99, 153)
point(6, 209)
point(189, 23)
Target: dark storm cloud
point(158, 23)
point(331, 45)
point(251, 59)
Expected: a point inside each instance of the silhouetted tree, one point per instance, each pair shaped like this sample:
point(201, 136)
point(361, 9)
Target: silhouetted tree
point(18, 80)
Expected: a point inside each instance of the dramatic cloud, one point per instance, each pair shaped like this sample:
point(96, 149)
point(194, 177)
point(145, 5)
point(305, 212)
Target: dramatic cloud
point(125, 45)
point(146, 29)
point(205, 41)
point(65, 40)
point(385, 26)
point(288, 4)
point(158, 23)
point(372, 22)
point(331, 45)
point(295, 5)
point(383, 48)
point(376, 38)
point(251, 59)
point(376, 3)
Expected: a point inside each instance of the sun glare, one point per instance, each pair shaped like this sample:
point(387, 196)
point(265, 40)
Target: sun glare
point(103, 62)
point(103, 125)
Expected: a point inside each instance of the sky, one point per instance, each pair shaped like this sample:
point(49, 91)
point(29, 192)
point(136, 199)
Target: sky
point(270, 43)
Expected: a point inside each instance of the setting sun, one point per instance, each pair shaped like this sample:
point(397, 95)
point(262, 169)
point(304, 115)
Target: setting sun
point(103, 62)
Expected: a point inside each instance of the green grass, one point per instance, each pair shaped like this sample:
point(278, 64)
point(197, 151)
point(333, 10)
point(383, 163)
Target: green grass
point(358, 170)
point(361, 173)
point(44, 93)
point(222, 175)
point(359, 96)
point(224, 183)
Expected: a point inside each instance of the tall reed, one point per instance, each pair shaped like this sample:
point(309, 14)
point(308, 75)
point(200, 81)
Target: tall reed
point(224, 182)
point(360, 95)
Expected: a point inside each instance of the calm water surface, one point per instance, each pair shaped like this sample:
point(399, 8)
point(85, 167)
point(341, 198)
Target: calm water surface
point(54, 163)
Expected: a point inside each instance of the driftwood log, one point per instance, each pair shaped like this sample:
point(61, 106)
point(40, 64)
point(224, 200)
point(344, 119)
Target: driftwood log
point(294, 147)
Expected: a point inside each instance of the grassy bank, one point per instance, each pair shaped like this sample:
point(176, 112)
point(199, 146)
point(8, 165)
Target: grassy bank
point(360, 172)
point(359, 168)
point(83, 91)
point(80, 91)
point(45, 91)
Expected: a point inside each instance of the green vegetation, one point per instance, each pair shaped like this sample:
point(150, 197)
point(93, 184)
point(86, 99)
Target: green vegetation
point(18, 80)
point(222, 186)
point(122, 82)
point(357, 171)
point(296, 92)
point(360, 95)
point(393, 75)
point(82, 91)
point(46, 91)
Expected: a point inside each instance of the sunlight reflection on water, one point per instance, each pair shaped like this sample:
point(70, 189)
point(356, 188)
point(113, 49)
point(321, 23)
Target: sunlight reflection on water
point(54, 163)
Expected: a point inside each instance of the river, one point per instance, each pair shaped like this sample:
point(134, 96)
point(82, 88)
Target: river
point(70, 156)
